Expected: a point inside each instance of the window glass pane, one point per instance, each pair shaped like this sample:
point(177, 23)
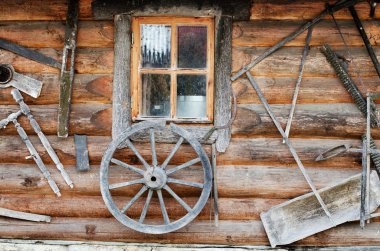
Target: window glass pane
point(192, 46)
point(191, 96)
point(155, 46)
point(155, 95)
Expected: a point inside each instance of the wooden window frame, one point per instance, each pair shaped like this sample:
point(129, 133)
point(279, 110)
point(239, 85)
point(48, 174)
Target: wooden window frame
point(122, 104)
point(174, 70)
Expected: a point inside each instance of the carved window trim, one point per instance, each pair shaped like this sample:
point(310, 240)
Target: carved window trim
point(121, 115)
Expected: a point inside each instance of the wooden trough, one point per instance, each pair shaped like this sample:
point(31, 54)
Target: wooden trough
point(303, 216)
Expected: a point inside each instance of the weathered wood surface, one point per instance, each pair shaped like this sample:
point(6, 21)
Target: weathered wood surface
point(258, 151)
point(285, 62)
point(83, 206)
point(247, 182)
point(260, 33)
point(301, 10)
point(228, 232)
point(88, 88)
point(279, 90)
point(91, 34)
point(88, 60)
point(99, 34)
point(223, 60)
point(121, 105)
point(36, 10)
point(310, 120)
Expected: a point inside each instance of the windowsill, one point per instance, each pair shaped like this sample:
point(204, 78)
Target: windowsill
point(175, 120)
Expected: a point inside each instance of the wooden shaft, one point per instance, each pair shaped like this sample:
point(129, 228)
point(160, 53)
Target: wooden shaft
point(36, 157)
point(292, 150)
point(366, 41)
point(292, 36)
point(298, 82)
point(45, 142)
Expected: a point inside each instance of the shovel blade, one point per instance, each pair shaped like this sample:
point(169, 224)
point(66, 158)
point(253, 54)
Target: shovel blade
point(301, 217)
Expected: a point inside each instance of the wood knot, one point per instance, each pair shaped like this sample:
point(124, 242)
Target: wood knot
point(90, 229)
point(31, 181)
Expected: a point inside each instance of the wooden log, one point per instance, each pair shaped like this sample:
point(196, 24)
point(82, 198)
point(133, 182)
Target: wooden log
point(299, 10)
point(255, 151)
point(91, 119)
point(199, 232)
point(95, 61)
point(88, 88)
point(279, 90)
point(97, 146)
point(249, 181)
point(36, 10)
point(94, 207)
point(91, 34)
point(285, 62)
point(260, 33)
point(310, 120)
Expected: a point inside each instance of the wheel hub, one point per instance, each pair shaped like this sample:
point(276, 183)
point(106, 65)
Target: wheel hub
point(155, 178)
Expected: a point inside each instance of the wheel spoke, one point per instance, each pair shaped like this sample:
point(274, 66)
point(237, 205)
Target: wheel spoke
point(124, 184)
point(175, 196)
point(186, 183)
point(153, 147)
point(133, 148)
point(171, 154)
point(125, 165)
point(163, 209)
point(187, 164)
point(134, 199)
point(146, 206)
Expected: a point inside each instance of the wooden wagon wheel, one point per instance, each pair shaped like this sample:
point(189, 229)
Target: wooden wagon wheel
point(155, 178)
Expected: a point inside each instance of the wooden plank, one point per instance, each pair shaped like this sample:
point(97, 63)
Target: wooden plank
point(285, 62)
point(121, 113)
point(83, 206)
point(228, 232)
point(91, 34)
point(95, 61)
point(238, 181)
point(223, 93)
point(298, 10)
point(36, 10)
point(321, 90)
point(260, 33)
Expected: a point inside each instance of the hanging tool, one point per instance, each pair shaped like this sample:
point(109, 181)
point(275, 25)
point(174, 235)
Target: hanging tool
point(291, 148)
point(333, 8)
point(366, 41)
point(82, 160)
point(26, 111)
point(24, 216)
point(349, 84)
point(33, 152)
point(302, 216)
point(298, 82)
point(8, 78)
point(372, 4)
point(67, 70)
point(28, 53)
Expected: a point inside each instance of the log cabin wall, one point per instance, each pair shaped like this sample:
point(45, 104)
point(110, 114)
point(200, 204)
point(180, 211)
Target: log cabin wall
point(257, 170)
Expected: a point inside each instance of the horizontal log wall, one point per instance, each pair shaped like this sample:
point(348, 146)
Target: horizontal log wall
point(256, 172)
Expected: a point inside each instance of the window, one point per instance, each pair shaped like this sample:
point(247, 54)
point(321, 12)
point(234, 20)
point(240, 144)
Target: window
point(172, 68)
